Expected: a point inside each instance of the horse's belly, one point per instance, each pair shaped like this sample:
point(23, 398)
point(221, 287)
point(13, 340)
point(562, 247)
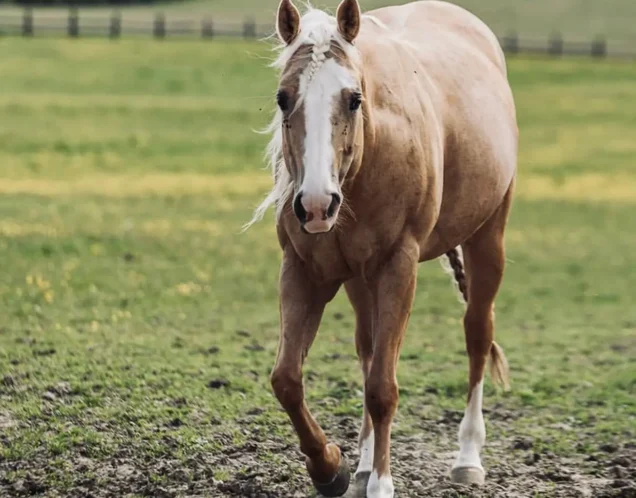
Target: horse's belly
point(466, 206)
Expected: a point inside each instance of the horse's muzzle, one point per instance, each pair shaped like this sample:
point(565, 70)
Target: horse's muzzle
point(317, 213)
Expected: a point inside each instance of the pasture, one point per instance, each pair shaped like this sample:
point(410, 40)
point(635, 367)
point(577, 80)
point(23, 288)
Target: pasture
point(138, 326)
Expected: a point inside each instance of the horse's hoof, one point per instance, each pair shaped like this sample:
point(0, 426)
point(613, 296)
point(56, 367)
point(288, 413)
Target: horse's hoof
point(339, 484)
point(468, 475)
point(359, 487)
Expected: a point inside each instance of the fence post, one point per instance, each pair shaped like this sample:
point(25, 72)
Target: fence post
point(207, 28)
point(27, 22)
point(115, 25)
point(73, 22)
point(249, 29)
point(555, 45)
point(511, 43)
point(599, 47)
point(160, 25)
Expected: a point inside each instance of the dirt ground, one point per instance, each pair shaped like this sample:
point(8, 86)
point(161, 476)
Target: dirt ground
point(515, 468)
point(421, 463)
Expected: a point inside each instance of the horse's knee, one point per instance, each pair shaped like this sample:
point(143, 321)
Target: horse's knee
point(287, 387)
point(381, 398)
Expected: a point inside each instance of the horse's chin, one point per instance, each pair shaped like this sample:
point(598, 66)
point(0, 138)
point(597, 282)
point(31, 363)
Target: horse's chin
point(319, 226)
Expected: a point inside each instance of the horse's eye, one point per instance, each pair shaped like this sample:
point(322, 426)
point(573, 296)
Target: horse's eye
point(282, 99)
point(356, 100)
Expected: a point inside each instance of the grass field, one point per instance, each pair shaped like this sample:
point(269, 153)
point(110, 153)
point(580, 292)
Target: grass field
point(138, 326)
point(578, 20)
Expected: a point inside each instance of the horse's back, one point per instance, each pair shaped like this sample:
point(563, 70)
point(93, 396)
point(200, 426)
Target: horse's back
point(432, 22)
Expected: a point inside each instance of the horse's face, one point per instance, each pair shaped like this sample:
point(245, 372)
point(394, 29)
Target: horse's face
point(320, 98)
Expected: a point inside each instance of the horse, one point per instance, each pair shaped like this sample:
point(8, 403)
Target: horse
point(394, 142)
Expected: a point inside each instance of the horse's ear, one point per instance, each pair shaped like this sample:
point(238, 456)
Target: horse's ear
point(288, 21)
point(348, 16)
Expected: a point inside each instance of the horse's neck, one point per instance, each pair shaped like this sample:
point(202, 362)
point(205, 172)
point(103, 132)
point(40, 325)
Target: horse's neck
point(398, 137)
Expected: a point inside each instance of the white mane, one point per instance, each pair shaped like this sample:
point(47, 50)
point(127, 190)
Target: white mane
point(318, 30)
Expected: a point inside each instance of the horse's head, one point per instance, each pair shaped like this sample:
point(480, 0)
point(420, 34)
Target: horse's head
point(320, 100)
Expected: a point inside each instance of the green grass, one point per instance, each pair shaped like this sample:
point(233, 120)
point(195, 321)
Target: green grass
point(127, 170)
point(580, 20)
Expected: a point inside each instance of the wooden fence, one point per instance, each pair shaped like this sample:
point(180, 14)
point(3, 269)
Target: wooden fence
point(114, 26)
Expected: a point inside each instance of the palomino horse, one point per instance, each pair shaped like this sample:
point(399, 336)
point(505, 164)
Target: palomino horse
point(394, 142)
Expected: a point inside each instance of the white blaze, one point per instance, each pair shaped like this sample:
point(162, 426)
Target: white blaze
point(320, 85)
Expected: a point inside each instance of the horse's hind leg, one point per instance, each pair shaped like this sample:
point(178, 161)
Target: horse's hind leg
point(361, 299)
point(484, 258)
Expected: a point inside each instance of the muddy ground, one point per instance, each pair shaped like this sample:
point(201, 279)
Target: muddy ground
point(421, 463)
point(515, 467)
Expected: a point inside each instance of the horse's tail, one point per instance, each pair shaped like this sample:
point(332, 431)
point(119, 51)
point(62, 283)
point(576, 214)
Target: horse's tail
point(498, 363)
point(498, 366)
point(455, 267)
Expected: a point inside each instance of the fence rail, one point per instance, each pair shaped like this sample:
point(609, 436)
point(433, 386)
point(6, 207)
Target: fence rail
point(161, 27)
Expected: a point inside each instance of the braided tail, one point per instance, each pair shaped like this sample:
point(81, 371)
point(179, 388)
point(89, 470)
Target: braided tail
point(498, 363)
point(456, 269)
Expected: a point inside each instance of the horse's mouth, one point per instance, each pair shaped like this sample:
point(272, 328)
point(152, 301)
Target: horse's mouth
point(318, 226)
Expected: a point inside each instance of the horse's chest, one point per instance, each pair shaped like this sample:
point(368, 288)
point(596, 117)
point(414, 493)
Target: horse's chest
point(333, 256)
point(323, 260)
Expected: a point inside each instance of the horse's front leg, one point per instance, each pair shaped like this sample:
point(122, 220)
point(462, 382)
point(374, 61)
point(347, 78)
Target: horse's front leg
point(302, 303)
point(393, 288)
point(361, 299)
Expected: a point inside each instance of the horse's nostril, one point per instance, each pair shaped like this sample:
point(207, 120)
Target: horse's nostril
point(299, 209)
point(335, 202)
